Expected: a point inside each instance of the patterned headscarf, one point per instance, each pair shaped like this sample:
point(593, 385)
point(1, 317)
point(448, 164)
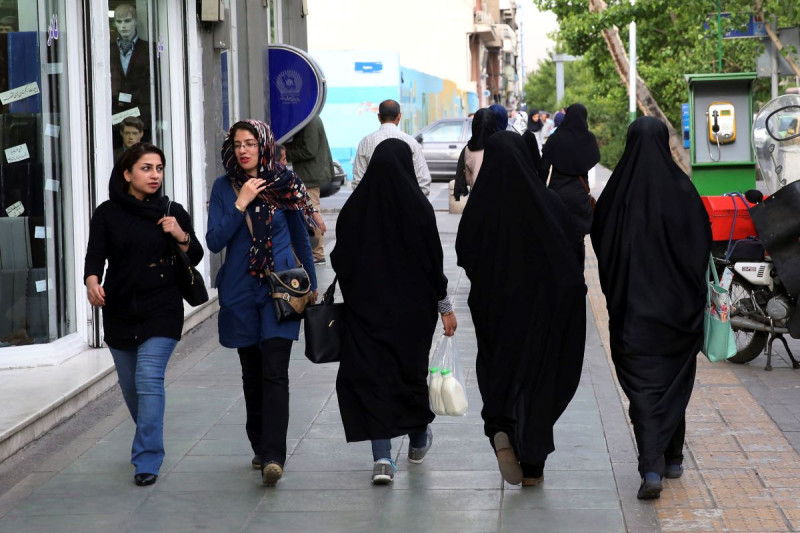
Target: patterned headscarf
point(284, 190)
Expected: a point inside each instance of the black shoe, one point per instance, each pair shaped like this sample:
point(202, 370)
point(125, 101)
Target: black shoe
point(320, 261)
point(145, 479)
point(651, 487)
point(256, 462)
point(673, 470)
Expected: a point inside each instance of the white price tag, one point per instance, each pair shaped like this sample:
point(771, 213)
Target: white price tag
point(17, 153)
point(51, 130)
point(125, 98)
point(41, 285)
point(119, 117)
point(38, 232)
point(52, 185)
point(20, 93)
point(15, 210)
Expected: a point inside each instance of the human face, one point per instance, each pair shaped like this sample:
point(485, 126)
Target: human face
point(146, 176)
point(126, 25)
point(130, 136)
point(245, 148)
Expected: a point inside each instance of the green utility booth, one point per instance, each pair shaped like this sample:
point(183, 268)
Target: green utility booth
point(721, 121)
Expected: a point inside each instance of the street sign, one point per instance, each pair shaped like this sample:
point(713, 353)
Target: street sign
point(733, 30)
point(297, 90)
point(790, 37)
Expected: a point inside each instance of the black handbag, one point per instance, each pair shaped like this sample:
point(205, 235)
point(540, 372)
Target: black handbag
point(323, 328)
point(291, 288)
point(190, 282)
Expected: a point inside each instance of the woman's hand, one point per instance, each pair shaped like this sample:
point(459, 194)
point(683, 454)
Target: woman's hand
point(249, 191)
point(314, 296)
point(450, 324)
point(171, 226)
point(321, 223)
point(95, 292)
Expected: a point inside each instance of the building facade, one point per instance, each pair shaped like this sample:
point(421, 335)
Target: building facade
point(70, 73)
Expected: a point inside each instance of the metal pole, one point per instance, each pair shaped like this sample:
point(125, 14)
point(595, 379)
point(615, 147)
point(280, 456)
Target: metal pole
point(632, 71)
point(559, 81)
point(773, 56)
point(719, 34)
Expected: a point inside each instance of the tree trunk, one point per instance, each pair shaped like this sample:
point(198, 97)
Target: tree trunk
point(644, 98)
point(776, 40)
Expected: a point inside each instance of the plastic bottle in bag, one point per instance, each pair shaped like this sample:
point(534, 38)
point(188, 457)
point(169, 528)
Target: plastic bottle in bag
point(453, 395)
point(435, 391)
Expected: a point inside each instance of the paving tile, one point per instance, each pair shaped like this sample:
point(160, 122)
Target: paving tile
point(433, 500)
point(214, 463)
point(478, 521)
point(686, 520)
point(761, 519)
point(329, 522)
point(422, 479)
point(735, 488)
point(540, 498)
point(687, 492)
point(563, 520)
point(780, 477)
point(84, 523)
point(312, 501)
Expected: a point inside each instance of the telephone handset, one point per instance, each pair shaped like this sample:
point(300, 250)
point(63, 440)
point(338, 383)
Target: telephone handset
point(721, 118)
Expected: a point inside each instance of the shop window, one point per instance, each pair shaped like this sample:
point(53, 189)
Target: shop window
point(36, 249)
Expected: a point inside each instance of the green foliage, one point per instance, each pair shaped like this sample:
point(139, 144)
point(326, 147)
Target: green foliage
point(671, 42)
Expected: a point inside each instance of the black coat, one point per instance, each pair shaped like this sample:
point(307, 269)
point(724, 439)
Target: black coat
point(142, 296)
point(652, 239)
point(136, 82)
point(389, 262)
point(527, 298)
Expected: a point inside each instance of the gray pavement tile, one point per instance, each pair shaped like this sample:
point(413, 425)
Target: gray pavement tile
point(304, 501)
point(578, 459)
point(90, 485)
point(573, 480)
point(57, 505)
point(230, 481)
point(432, 500)
point(85, 523)
point(574, 498)
point(443, 520)
point(326, 431)
point(421, 479)
point(472, 432)
point(214, 463)
point(353, 480)
point(336, 446)
point(194, 511)
point(338, 462)
point(229, 446)
point(329, 522)
point(478, 461)
point(233, 417)
point(563, 520)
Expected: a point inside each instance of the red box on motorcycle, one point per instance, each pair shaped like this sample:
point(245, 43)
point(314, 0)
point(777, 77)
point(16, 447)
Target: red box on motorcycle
point(721, 213)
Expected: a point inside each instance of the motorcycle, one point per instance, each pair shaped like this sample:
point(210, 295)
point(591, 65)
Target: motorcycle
point(765, 282)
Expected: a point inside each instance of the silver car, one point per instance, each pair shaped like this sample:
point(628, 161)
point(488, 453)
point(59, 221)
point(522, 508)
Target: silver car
point(442, 142)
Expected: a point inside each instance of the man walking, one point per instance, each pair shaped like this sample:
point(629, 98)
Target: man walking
point(311, 159)
point(389, 117)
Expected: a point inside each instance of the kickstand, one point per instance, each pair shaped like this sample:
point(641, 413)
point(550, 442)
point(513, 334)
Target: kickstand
point(779, 336)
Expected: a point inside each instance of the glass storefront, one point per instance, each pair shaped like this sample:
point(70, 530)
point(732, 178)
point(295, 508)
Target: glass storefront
point(37, 274)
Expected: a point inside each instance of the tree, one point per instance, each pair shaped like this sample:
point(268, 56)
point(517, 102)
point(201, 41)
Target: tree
point(672, 41)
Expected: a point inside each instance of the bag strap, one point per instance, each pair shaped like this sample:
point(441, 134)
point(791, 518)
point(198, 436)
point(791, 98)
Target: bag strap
point(250, 227)
point(329, 292)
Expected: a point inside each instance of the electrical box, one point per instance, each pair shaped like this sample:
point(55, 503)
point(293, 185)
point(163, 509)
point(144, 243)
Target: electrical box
point(212, 11)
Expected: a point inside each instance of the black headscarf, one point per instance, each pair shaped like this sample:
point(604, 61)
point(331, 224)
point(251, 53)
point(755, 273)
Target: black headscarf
point(484, 124)
point(153, 207)
point(536, 156)
point(501, 114)
point(652, 239)
point(527, 298)
point(388, 258)
point(572, 149)
point(535, 125)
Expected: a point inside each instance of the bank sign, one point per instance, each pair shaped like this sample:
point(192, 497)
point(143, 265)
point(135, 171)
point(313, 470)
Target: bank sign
point(297, 90)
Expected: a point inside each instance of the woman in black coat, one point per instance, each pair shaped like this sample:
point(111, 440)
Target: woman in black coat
point(141, 301)
point(389, 263)
point(527, 300)
point(652, 239)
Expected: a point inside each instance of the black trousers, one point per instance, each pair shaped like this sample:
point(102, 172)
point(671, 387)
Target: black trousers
point(265, 380)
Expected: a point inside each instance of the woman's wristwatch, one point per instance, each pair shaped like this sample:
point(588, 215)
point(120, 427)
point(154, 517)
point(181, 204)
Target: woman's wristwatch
point(186, 240)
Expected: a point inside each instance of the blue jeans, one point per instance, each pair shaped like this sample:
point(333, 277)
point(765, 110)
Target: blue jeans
point(141, 378)
point(382, 448)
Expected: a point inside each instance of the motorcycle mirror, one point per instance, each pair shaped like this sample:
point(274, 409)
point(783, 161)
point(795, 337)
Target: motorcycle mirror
point(754, 196)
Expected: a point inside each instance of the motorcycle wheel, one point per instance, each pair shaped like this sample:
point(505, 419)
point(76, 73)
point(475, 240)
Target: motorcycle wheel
point(749, 343)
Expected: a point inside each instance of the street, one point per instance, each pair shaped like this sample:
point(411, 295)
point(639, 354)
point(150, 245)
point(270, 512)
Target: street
point(741, 451)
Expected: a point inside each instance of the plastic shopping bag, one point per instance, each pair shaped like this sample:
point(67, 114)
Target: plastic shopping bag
point(719, 342)
point(446, 385)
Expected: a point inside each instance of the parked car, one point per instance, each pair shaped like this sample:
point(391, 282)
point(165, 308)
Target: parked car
point(333, 186)
point(442, 142)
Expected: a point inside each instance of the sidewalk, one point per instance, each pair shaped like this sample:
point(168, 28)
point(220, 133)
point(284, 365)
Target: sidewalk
point(740, 468)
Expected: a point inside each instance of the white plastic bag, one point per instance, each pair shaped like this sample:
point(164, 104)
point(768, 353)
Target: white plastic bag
point(446, 385)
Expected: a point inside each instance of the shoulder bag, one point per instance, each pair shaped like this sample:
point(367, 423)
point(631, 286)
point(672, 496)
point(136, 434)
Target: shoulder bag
point(290, 288)
point(323, 328)
point(190, 282)
point(719, 343)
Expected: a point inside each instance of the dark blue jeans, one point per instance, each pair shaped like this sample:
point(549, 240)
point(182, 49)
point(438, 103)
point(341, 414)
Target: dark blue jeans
point(382, 448)
point(141, 377)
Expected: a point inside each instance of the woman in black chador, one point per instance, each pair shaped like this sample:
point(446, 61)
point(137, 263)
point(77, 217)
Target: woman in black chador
point(389, 263)
point(652, 240)
point(528, 305)
point(572, 151)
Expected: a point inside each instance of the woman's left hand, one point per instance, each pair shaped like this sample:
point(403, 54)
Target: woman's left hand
point(314, 296)
point(450, 323)
point(321, 223)
point(171, 226)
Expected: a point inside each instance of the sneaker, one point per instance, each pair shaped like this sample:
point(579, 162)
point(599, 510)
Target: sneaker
point(271, 473)
point(416, 455)
point(383, 472)
point(651, 487)
point(673, 470)
point(256, 462)
point(320, 261)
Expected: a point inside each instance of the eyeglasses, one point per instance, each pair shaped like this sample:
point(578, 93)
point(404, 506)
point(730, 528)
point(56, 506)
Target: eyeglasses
point(247, 144)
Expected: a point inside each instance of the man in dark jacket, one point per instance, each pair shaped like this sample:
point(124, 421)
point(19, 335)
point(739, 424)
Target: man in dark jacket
point(311, 159)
